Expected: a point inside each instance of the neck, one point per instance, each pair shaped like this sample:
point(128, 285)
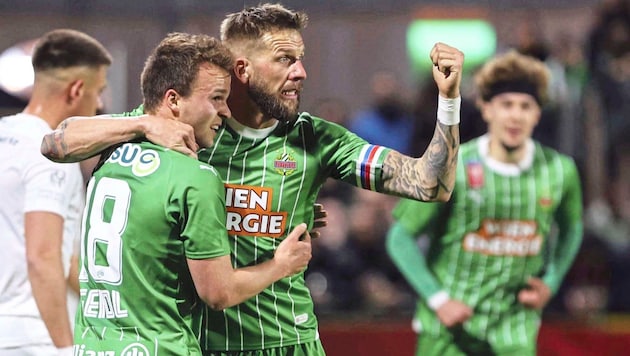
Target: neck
point(247, 113)
point(501, 153)
point(48, 108)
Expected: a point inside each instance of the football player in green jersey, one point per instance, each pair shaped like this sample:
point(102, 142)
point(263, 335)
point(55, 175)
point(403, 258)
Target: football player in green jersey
point(154, 239)
point(274, 160)
point(492, 265)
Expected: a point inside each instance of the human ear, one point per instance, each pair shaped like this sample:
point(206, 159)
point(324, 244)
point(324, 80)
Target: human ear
point(171, 100)
point(75, 90)
point(241, 69)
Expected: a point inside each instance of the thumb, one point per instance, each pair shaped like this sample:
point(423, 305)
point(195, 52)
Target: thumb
point(297, 232)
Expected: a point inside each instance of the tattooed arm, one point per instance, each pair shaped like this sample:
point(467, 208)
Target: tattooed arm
point(432, 176)
point(78, 138)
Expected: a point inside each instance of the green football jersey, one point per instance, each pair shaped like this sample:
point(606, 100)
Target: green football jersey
point(148, 211)
point(493, 234)
point(272, 178)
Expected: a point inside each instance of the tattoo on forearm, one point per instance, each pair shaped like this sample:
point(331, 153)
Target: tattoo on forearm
point(54, 145)
point(427, 177)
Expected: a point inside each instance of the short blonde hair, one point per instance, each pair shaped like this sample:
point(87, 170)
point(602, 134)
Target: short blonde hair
point(253, 22)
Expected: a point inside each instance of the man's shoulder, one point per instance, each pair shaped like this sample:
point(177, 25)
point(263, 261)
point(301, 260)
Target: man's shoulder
point(319, 124)
point(147, 159)
point(470, 147)
point(24, 125)
point(549, 153)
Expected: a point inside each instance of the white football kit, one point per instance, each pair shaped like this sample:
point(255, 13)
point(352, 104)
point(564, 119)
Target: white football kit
point(30, 182)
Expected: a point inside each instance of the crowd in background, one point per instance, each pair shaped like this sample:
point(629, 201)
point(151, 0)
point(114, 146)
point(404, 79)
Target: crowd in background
point(588, 119)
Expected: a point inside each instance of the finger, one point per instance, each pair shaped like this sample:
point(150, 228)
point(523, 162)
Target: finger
point(320, 214)
point(314, 234)
point(440, 50)
point(319, 224)
point(434, 54)
point(306, 237)
point(527, 297)
point(185, 150)
point(468, 313)
point(297, 231)
point(448, 66)
point(191, 143)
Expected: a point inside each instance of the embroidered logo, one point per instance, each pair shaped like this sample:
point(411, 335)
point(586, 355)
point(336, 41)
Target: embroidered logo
point(58, 177)
point(474, 174)
point(284, 163)
point(545, 202)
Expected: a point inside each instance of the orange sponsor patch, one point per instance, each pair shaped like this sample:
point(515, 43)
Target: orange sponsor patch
point(249, 212)
point(504, 238)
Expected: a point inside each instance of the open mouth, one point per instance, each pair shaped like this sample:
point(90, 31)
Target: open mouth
point(293, 93)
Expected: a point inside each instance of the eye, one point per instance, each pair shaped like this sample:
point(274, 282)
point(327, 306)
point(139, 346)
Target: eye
point(218, 96)
point(288, 60)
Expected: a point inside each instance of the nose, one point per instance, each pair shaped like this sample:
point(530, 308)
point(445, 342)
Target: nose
point(224, 110)
point(298, 72)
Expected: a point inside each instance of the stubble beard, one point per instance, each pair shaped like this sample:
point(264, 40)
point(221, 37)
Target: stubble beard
point(270, 105)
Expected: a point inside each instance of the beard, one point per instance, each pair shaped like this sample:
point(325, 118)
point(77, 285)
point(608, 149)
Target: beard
point(270, 105)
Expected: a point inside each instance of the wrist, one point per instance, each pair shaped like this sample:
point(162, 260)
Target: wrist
point(448, 111)
point(280, 271)
point(141, 126)
point(438, 299)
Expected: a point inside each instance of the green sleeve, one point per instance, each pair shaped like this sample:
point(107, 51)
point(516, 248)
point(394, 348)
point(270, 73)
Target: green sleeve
point(412, 219)
point(569, 220)
point(347, 157)
point(138, 111)
point(199, 200)
point(418, 217)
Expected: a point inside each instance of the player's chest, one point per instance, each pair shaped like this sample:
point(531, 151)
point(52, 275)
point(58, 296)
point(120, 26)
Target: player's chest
point(530, 194)
point(264, 162)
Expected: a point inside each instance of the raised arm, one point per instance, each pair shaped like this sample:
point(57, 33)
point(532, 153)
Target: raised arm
point(78, 138)
point(432, 176)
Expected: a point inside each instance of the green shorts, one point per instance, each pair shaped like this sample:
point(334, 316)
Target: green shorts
point(313, 348)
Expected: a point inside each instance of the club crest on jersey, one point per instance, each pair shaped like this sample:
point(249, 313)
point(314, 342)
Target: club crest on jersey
point(474, 174)
point(545, 202)
point(284, 163)
point(142, 162)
